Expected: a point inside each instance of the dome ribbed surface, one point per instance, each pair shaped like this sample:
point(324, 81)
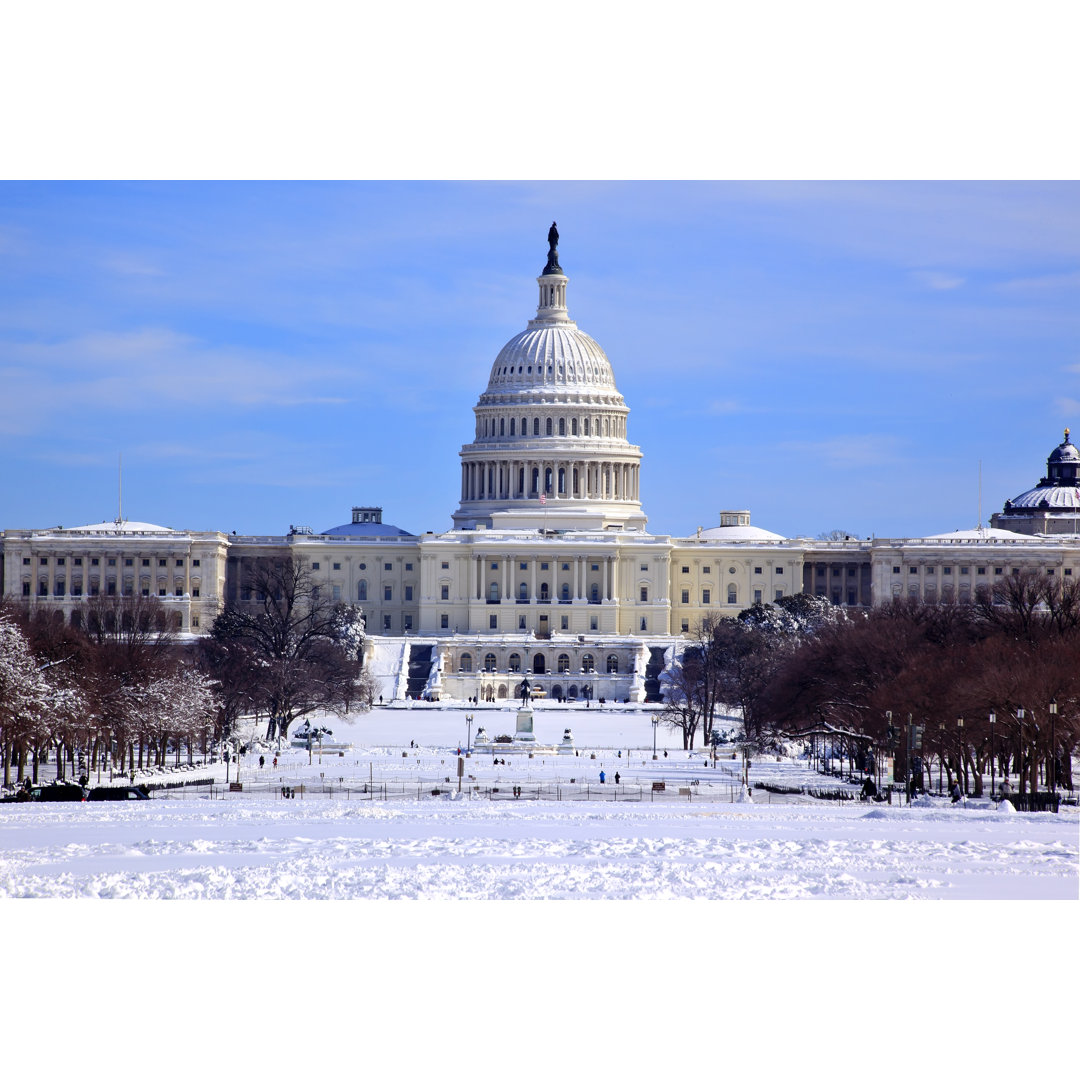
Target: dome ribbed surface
point(551, 356)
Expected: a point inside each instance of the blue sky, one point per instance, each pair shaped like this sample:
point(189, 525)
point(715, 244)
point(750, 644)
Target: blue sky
point(267, 354)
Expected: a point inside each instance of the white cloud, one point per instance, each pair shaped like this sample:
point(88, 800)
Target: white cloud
point(936, 279)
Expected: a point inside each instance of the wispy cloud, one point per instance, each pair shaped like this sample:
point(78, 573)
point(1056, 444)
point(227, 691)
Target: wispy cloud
point(847, 451)
point(937, 279)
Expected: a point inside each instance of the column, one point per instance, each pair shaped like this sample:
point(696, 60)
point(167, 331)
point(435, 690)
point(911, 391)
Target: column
point(532, 581)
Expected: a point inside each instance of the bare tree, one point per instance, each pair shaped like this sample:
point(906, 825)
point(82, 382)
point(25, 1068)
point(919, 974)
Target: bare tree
point(304, 648)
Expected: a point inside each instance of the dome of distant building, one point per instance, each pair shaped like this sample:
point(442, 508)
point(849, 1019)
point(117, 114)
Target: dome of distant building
point(119, 526)
point(366, 521)
point(1053, 505)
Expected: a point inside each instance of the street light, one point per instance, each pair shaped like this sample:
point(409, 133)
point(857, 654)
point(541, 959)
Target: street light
point(468, 729)
point(993, 721)
point(655, 724)
point(1053, 749)
point(960, 750)
point(1020, 744)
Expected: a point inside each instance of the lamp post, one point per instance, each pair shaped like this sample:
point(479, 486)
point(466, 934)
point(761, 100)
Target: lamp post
point(468, 731)
point(655, 724)
point(1020, 746)
point(1053, 750)
point(941, 753)
point(960, 751)
point(993, 720)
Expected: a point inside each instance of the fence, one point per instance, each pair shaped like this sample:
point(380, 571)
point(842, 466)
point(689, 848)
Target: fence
point(385, 791)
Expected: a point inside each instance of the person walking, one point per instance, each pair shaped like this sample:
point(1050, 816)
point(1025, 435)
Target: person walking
point(616, 778)
point(603, 777)
point(957, 794)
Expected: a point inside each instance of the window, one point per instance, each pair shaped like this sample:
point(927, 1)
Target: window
point(757, 570)
point(912, 569)
point(465, 663)
point(521, 566)
point(194, 562)
point(706, 596)
point(981, 570)
point(489, 662)
point(195, 591)
point(337, 593)
point(408, 566)
point(594, 595)
point(523, 591)
point(146, 562)
point(77, 562)
point(26, 588)
point(566, 566)
point(445, 592)
point(337, 566)
point(587, 663)
point(732, 594)
point(930, 570)
point(706, 569)
point(521, 622)
point(129, 562)
point(45, 562)
point(613, 664)
point(387, 566)
point(595, 566)
point(644, 594)
point(161, 592)
point(179, 562)
point(780, 570)
point(444, 622)
point(361, 591)
point(998, 570)
point(594, 622)
point(388, 593)
point(644, 623)
point(686, 569)
point(562, 665)
point(408, 593)
point(896, 569)
point(1068, 572)
point(565, 593)
point(946, 570)
point(779, 594)
point(757, 596)
point(314, 566)
point(493, 622)
point(564, 622)
point(386, 622)
point(514, 663)
point(685, 626)
point(26, 562)
point(160, 562)
point(851, 597)
point(97, 562)
point(445, 566)
point(547, 426)
point(686, 596)
point(644, 567)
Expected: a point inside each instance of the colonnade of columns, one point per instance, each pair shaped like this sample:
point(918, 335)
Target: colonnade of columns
point(577, 577)
point(554, 478)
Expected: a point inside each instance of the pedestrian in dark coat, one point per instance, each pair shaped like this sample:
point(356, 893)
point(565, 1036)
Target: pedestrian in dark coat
point(957, 794)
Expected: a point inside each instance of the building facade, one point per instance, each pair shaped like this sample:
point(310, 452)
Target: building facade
point(549, 572)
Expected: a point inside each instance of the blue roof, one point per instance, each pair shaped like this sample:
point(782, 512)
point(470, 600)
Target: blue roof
point(366, 528)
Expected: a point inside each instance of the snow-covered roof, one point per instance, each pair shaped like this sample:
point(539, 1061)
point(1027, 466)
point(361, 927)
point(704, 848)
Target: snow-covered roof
point(981, 532)
point(118, 527)
point(1050, 496)
point(365, 528)
point(738, 532)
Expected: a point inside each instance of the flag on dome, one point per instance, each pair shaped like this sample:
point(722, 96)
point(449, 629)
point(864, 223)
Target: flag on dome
point(543, 499)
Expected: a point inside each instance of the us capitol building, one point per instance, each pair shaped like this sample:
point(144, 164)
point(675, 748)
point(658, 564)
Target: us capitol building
point(548, 571)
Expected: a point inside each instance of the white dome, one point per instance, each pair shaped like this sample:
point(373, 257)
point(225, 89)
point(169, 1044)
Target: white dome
point(549, 357)
point(729, 533)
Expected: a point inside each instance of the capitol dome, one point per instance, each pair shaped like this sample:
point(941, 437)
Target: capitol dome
point(550, 445)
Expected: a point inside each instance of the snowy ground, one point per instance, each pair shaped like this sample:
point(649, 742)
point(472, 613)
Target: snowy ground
point(365, 824)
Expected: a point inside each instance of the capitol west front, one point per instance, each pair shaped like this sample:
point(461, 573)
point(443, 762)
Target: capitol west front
point(549, 570)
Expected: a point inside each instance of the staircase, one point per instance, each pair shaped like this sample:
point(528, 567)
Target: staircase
point(652, 673)
point(420, 660)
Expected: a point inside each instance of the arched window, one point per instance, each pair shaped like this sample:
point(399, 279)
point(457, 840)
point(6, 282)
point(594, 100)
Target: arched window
point(562, 425)
point(547, 426)
point(515, 661)
point(523, 591)
point(493, 592)
point(539, 664)
point(588, 664)
point(573, 426)
point(489, 662)
point(594, 595)
point(564, 663)
point(562, 481)
point(565, 593)
point(536, 425)
point(502, 425)
point(512, 423)
point(613, 664)
point(361, 591)
point(586, 425)
point(547, 481)
point(535, 481)
point(732, 594)
point(465, 663)
point(544, 591)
